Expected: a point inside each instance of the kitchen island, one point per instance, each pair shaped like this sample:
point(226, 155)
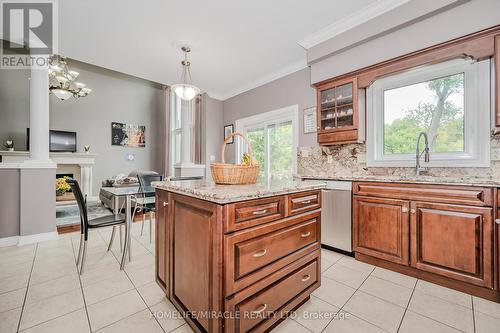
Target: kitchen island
point(237, 258)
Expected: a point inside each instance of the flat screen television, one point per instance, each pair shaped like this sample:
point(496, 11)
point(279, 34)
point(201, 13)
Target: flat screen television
point(59, 141)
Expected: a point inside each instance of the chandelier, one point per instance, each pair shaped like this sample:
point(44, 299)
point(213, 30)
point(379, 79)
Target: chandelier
point(185, 90)
point(62, 80)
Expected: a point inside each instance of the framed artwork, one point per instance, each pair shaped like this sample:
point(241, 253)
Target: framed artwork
point(310, 120)
point(228, 130)
point(127, 135)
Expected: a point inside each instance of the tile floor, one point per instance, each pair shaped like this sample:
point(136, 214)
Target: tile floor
point(40, 291)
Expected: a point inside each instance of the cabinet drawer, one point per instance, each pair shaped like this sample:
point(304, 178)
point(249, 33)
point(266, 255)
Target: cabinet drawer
point(246, 214)
point(257, 252)
point(262, 307)
point(453, 194)
point(303, 202)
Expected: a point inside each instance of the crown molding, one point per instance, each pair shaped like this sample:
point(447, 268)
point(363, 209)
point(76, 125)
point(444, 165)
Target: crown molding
point(292, 68)
point(359, 17)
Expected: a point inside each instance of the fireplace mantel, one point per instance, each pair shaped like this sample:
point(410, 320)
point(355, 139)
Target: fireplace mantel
point(85, 161)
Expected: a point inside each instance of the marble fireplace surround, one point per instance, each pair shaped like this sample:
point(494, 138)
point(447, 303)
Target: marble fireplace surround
point(348, 162)
point(79, 164)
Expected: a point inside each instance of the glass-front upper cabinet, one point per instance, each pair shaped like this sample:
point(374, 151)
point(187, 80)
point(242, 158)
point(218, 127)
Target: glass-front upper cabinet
point(338, 115)
point(336, 109)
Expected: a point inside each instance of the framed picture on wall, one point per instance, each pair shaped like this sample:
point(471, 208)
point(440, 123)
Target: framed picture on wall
point(310, 120)
point(228, 130)
point(128, 135)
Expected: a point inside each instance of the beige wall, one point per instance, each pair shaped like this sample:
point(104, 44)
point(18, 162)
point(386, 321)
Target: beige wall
point(116, 97)
point(289, 90)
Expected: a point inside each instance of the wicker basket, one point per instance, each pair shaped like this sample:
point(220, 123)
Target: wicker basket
point(235, 174)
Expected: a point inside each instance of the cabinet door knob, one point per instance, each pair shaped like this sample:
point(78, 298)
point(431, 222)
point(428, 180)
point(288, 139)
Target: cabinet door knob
point(404, 209)
point(260, 254)
point(165, 203)
point(497, 221)
point(413, 211)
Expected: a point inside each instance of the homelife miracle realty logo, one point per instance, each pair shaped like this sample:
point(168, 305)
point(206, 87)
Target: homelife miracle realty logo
point(28, 33)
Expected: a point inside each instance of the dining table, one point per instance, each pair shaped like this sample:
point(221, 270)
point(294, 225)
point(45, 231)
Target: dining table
point(130, 194)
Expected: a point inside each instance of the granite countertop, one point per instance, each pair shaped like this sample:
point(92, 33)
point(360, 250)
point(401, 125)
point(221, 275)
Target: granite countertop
point(223, 194)
point(466, 181)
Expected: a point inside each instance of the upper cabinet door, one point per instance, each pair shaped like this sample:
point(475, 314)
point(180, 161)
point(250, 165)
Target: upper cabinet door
point(453, 241)
point(337, 114)
point(344, 98)
point(327, 119)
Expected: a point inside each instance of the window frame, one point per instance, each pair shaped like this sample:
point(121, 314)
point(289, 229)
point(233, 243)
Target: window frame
point(477, 110)
point(286, 114)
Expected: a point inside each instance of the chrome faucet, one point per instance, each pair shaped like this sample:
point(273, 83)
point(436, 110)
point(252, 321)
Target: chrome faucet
point(419, 168)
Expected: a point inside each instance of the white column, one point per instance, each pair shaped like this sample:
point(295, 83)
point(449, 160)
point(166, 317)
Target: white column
point(86, 179)
point(39, 114)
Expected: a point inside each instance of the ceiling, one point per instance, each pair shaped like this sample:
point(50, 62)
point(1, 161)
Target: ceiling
point(236, 45)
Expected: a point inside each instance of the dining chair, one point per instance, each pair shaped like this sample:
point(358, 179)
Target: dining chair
point(147, 202)
point(86, 224)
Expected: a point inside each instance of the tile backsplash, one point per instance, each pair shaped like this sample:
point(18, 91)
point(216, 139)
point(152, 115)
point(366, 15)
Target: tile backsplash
point(349, 161)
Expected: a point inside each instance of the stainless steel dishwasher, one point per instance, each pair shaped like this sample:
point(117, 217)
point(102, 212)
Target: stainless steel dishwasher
point(336, 223)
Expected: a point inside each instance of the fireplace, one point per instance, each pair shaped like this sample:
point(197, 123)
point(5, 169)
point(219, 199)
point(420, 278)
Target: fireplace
point(68, 196)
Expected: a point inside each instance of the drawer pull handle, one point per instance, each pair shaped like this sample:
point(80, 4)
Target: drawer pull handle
point(306, 277)
point(260, 254)
point(404, 210)
point(307, 234)
point(305, 202)
point(497, 221)
point(262, 308)
point(259, 212)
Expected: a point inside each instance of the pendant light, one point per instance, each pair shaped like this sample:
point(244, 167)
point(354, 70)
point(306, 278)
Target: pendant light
point(185, 90)
point(62, 80)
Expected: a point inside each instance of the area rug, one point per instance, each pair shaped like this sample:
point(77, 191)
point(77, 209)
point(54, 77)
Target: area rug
point(68, 215)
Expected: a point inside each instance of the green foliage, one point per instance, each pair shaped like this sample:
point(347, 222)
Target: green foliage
point(280, 145)
point(400, 136)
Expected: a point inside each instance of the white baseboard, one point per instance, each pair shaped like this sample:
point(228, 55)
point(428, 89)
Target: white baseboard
point(9, 241)
point(30, 239)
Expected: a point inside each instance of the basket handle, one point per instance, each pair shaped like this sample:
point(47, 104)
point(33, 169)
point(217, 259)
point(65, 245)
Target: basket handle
point(226, 140)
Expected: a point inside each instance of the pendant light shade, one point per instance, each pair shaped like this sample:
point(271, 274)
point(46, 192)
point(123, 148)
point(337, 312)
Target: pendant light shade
point(185, 90)
point(62, 80)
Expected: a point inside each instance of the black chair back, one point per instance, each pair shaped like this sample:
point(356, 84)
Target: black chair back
point(82, 205)
point(145, 180)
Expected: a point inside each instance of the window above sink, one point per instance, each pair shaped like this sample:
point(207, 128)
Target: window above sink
point(450, 101)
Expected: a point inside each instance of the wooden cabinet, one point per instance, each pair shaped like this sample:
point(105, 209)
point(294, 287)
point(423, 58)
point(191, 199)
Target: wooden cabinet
point(453, 241)
point(338, 112)
point(303, 202)
point(252, 260)
point(161, 240)
point(252, 254)
point(444, 234)
point(196, 258)
point(381, 228)
point(250, 213)
point(268, 300)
